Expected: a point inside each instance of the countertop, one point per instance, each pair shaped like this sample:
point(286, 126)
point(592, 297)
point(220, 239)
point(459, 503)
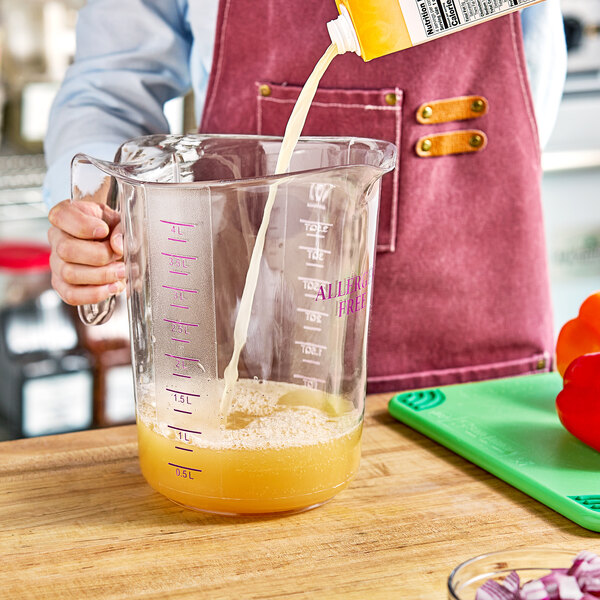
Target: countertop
point(77, 520)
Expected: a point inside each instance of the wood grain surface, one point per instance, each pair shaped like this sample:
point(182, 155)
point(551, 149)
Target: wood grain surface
point(78, 521)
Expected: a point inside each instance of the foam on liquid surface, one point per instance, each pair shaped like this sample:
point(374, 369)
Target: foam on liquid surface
point(271, 415)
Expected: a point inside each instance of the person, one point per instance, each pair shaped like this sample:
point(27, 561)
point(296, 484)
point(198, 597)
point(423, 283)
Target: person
point(474, 302)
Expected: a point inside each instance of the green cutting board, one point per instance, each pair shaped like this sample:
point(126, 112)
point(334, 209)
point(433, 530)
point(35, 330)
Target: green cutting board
point(510, 428)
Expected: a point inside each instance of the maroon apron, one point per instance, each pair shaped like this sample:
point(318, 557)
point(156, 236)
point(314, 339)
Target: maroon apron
point(461, 285)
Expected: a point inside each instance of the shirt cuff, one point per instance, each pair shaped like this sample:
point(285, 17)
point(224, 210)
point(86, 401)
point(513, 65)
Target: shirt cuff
point(57, 182)
point(546, 54)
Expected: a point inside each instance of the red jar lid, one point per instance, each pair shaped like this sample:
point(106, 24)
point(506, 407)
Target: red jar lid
point(24, 256)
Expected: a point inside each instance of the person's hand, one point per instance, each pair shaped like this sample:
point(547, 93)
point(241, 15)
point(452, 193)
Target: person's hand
point(87, 250)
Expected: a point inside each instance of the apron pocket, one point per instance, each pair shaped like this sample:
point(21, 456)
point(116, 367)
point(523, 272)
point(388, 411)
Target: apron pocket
point(343, 112)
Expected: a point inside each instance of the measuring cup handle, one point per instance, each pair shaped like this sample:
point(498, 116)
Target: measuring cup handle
point(96, 314)
point(93, 180)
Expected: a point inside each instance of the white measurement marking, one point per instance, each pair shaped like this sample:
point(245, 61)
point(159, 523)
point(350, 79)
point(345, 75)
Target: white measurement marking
point(312, 316)
point(315, 222)
point(310, 349)
point(320, 346)
point(312, 312)
point(316, 225)
point(313, 249)
point(308, 380)
point(314, 265)
point(316, 235)
point(311, 362)
point(313, 280)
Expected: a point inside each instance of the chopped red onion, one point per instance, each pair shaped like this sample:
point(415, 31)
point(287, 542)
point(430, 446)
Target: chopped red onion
point(534, 590)
point(492, 590)
point(584, 561)
point(512, 583)
point(568, 588)
point(581, 581)
point(551, 580)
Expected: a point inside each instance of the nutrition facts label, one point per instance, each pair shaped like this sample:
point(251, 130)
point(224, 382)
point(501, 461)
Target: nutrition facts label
point(428, 19)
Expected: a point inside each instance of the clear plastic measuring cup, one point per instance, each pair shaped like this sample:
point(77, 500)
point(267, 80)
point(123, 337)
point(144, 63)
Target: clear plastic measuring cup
point(191, 208)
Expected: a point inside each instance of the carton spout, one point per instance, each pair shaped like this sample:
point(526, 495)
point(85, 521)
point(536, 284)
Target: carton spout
point(342, 33)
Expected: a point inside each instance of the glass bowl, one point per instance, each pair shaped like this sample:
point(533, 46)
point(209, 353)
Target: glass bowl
point(529, 563)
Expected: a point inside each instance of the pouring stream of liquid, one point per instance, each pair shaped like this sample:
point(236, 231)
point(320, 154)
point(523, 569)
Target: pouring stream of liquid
point(290, 139)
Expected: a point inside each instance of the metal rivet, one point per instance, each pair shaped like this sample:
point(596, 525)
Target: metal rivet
point(427, 112)
point(391, 99)
point(541, 364)
point(426, 145)
point(476, 141)
point(478, 105)
point(265, 90)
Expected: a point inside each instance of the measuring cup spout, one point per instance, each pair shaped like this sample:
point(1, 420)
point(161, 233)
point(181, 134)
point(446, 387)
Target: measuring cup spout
point(369, 182)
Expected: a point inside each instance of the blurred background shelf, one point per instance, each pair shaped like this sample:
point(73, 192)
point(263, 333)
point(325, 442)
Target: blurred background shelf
point(23, 214)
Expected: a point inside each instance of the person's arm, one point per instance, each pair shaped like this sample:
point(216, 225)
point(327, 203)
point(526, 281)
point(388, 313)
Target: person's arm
point(132, 56)
point(546, 54)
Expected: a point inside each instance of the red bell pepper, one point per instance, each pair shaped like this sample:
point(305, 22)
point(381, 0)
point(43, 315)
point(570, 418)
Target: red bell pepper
point(578, 404)
point(580, 335)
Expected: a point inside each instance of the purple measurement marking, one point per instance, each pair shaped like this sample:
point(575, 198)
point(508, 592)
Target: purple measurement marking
point(186, 449)
point(179, 256)
point(176, 240)
point(184, 376)
point(180, 392)
point(185, 412)
point(175, 223)
point(186, 430)
point(178, 273)
point(182, 357)
point(181, 323)
point(186, 468)
point(177, 289)
point(187, 341)
point(179, 306)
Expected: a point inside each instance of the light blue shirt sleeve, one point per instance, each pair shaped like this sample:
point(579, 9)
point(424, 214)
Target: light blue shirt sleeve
point(546, 55)
point(132, 56)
